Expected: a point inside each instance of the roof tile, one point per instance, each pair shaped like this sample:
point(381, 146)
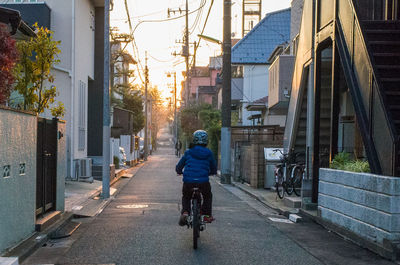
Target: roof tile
point(257, 46)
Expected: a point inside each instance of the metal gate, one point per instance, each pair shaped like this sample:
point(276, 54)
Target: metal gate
point(245, 163)
point(46, 165)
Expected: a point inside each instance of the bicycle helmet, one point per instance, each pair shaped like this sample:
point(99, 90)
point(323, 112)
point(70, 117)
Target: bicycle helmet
point(200, 137)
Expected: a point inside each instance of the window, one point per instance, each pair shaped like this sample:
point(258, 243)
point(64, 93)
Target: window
point(82, 116)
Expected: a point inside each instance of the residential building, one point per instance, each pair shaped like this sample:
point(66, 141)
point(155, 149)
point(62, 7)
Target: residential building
point(252, 54)
point(32, 155)
point(79, 75)
point(344, 98)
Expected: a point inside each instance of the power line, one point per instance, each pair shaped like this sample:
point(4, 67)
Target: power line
point(202, 31)
point(133, 42)
point(198, 16)
point(158, 60)
point(165, 20)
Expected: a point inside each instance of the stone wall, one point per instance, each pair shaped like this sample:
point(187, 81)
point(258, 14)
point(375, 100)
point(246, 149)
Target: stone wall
point(367, 205)
point(18, 138)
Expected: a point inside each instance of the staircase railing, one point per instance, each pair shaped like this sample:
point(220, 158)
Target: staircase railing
point(377, 128)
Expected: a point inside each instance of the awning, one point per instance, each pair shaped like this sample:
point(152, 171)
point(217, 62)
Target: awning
point(256, 107)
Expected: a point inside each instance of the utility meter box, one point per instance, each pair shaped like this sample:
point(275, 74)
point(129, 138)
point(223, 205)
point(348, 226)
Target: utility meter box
point(271, 159)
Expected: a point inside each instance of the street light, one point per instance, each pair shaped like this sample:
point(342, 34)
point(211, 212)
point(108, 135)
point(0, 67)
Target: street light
point(210, 39)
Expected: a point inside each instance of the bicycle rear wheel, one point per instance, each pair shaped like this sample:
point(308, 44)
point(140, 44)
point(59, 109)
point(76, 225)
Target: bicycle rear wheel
point(297, 177)
point(196, 222)
point(279, 183)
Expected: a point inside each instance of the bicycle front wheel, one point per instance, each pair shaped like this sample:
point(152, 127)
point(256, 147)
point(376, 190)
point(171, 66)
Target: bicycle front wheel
point(279, 183)
point(289, 185)
point(297, 177)
point(196, 222)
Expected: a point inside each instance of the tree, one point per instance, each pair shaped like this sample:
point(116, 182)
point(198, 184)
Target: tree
point(8, 57)
point(33, 71)
point(203, 117)
point(132, 101)
point(211, 121)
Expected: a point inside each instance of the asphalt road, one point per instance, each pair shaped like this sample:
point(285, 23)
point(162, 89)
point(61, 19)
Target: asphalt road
point(140, 226)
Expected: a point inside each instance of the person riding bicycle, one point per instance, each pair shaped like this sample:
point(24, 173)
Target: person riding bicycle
point(198, 163)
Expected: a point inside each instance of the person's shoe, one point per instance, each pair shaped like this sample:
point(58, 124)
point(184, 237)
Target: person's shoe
point(183, 219)
point(208, 219)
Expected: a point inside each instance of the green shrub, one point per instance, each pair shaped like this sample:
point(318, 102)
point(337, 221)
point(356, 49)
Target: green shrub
point(116, 162)
point(357, 166)
point(340, 160)
point(343, 161)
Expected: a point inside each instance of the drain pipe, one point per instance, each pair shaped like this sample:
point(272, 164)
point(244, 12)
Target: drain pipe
point(71, 152)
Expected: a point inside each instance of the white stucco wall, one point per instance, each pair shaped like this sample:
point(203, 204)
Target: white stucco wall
point(18, 138)
point(84, 64)
point(255, 86)
point(74, 27)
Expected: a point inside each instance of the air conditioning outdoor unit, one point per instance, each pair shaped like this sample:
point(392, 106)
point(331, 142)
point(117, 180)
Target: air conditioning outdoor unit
point(85, 168)
point(82, 170)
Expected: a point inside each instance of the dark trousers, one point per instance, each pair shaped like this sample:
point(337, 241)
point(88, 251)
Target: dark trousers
point(187, 193)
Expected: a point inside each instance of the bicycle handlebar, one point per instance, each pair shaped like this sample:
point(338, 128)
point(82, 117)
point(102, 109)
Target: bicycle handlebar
point(276, 150)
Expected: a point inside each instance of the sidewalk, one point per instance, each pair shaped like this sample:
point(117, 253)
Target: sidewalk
point(81, 198)
point(270, 199)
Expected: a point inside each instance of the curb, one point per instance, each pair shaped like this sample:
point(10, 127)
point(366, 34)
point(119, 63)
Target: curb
point(116, 179)
point(34, 242)
point(258, 198)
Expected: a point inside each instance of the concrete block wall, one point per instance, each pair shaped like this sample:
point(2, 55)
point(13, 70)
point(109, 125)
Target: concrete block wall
point(365, 204)
point(18, 138)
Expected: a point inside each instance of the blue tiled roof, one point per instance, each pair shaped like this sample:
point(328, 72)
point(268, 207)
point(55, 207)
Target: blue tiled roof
point(260, 42)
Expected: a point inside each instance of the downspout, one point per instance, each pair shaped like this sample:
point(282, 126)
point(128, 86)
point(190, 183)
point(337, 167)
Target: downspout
point(72, 91)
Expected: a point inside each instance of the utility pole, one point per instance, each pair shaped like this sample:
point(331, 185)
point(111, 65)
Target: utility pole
point(175, 120)
point(169, 74)
point(185, 51)
point(226, 97)
point(106, 104)
point(146, 140)
point(186, 54)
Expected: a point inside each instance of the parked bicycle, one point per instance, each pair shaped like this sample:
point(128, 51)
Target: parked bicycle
point(288, 175)
point(195, 220)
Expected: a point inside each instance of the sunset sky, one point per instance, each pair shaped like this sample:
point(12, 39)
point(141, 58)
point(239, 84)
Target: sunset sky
point(159, 38)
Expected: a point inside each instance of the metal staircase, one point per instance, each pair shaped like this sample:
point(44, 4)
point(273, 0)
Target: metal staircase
point(369, 55)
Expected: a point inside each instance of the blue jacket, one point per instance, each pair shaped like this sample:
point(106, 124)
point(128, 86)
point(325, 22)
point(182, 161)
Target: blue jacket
point(199, 163)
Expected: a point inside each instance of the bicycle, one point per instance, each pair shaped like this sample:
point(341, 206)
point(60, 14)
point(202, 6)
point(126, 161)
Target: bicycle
point(195, 220)
point(282, 183)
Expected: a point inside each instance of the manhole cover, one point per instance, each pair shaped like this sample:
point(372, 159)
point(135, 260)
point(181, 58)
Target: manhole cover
point(132, 206)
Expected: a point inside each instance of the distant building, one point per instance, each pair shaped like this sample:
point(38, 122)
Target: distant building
point(252, 53)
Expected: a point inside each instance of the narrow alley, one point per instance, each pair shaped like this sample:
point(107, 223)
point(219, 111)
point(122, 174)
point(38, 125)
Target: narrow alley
point(140, 226)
